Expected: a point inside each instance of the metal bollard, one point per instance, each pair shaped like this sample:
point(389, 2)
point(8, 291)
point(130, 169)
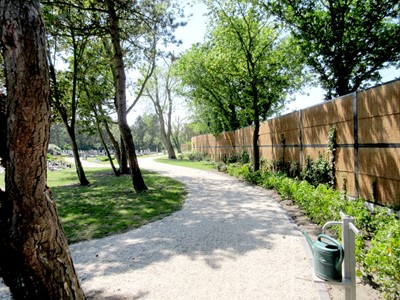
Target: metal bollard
point(349, 230)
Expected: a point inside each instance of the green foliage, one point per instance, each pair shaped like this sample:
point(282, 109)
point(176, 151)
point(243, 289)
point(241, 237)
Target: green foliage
point(242, 157)
point(54, 149)
point(332, 146)
point(102, 158)
point(244, 70)
point(146, 132)
point(346, 42)
point(243, 171)
point(197, 156)
point(317, 172)
point(380, 262)
point(288, 168)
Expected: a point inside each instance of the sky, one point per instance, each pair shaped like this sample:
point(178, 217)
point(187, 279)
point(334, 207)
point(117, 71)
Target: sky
point(195, 30)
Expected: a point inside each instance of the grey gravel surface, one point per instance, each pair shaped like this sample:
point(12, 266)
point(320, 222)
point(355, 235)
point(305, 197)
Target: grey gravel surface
point(230, 241)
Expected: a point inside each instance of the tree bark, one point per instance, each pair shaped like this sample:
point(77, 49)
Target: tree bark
point(124, 168)
point(103, 142)
point(3, 130)
point(256, 148)
point(35, 261)
point(119, 151)
point(120, 82)
point(78, 164)
point(165, 133)
point(170, 148)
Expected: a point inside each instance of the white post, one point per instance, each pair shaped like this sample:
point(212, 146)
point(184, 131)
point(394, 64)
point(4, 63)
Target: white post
point(349, 247)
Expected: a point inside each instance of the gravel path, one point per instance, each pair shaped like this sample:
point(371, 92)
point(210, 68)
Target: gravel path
point(230, 241)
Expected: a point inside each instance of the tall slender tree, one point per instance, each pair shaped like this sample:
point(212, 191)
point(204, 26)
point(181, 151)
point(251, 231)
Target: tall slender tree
point(120, 97)
point(35, 262)
point(160, 91)
point(70, 33)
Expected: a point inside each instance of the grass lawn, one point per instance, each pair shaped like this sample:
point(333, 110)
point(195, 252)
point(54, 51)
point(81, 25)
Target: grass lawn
point(109, 205)
point(201, 165)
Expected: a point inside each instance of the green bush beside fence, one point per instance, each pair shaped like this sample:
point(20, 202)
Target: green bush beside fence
point(378, 247)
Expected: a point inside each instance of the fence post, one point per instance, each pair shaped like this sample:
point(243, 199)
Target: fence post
point(355, 134)
point(300, 140)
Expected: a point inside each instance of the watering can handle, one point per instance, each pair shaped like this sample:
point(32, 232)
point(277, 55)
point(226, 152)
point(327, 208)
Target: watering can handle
point(324, 236)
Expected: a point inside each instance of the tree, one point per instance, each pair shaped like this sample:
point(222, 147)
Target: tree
point(251, 62)
point(73, 33)
point(213, 95)
point(98, 87)
point(120, 97)
point(346, 42)
point(157, 19)
point(35, 261)
point(146, 132)
point(133, 28)
point(160, 91)
point(176, 135)
point(119, 148)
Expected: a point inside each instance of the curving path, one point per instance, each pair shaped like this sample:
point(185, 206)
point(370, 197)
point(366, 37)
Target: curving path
point(230, 241)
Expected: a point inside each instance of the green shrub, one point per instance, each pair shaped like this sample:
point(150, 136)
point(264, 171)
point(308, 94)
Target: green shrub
point(379, 262)
point(363, 220)
point(51, 157)
point(54, 149)
point(221, 167)
point(102, 158)
point(244, 157)
point(382, 261)
point(230, 159)
point(317, 172)
point(196, 156)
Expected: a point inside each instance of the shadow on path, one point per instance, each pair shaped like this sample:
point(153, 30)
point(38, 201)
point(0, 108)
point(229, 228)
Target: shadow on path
point(222, 218)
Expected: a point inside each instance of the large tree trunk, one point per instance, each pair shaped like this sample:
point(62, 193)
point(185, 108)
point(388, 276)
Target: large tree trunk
point(3, 130)
point(35, 261)
point(120, 81)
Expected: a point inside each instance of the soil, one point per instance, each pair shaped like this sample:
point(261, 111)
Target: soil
point(363, 290)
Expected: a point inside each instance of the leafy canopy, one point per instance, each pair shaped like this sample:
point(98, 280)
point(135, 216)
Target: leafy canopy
point(244, 70)
point(346, 42)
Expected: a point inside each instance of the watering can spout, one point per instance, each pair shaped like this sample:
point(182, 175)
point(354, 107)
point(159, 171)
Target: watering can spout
point(309, 241)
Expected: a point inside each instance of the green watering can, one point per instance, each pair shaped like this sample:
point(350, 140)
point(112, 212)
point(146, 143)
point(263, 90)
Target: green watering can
point(328, 257)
